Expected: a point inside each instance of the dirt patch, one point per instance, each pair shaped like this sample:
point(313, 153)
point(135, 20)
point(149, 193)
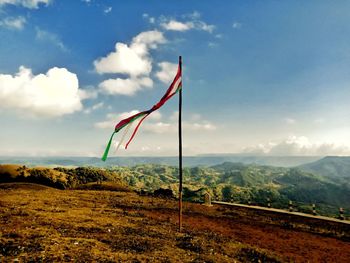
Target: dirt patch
point(109, 226)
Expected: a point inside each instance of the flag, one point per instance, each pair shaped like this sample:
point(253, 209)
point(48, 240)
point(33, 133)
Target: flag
point(141, 116)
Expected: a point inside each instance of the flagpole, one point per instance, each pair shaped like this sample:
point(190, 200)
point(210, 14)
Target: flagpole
point(180, 151)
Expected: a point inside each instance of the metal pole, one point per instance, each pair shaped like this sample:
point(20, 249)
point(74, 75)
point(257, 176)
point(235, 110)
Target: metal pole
point(180, 150)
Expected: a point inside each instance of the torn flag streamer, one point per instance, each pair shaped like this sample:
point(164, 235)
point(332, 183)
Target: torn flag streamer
point(141, 116)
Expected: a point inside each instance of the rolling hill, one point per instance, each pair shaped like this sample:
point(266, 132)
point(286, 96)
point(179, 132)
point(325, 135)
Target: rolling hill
point(335, 168)
point(233, 182)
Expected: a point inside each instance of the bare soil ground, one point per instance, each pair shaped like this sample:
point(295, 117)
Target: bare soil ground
point(42, 224)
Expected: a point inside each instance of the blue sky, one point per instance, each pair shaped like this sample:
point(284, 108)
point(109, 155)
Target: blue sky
point(259, 77)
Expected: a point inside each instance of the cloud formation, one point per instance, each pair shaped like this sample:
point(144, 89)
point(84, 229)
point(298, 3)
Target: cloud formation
point(177, 26)
point(133, 60)
point(167, 72)
point(94, 107)
point(156, 124)
point(31, 4)
point(108, 10)
point(53, 94)
point(127, 87)
point(171, 127)
point(236, 25)
point(150, 19)
point(298, 146)
point(51, 38)
point(193, 22)
point(16, 23)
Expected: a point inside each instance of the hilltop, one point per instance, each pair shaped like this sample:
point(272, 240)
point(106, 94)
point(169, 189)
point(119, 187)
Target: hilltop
point(47, 224)
point(58, 177)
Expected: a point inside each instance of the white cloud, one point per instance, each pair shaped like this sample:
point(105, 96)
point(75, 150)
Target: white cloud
point(55, 93)
point(159, 127)
point(94, 107)
point(154, 123)
point(167, 72)
point(16, 23)
point(205, 27)
point(236, 25)
point(156, 115)
point(174, 25)
point(134, 59)
point(195, 15)
point(167, 127)
point(194, 124)
point(108, 10)
point(88, 93)
point(174, 116)
point(189, 22)
point(51, 38)
point(31, 4)
point(203, 126)
point(298, 145)
point(150, 19)
point(127, 87)
point(113, 118)
point(123, 60)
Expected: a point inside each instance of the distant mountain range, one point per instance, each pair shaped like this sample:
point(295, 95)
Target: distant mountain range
point(189, 161)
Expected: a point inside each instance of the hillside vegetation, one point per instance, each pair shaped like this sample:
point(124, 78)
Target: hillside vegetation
point(232, 182)
point(61, 178)
point(333, 167)
point(243, 183)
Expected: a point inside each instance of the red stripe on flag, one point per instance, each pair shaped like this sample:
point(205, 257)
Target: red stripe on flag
point(134, 133)
point(171, 91)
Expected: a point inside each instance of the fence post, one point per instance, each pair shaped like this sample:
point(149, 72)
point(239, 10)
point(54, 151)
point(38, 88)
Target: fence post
point(207, 199)
point(314, 209)
point(268, 203)
point(290, 206)
point(341, 213)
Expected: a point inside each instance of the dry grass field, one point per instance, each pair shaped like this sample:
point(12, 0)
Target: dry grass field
point(42, 224)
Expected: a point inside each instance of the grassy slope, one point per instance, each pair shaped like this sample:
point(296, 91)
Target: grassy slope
point(243, 183)
point(334, 167)
point(47, 224)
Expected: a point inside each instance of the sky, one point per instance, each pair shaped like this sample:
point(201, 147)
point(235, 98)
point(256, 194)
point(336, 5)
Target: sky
point(259, 77)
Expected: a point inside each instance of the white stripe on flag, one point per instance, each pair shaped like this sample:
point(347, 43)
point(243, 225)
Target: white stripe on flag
point(176, 85)
point(123, 136)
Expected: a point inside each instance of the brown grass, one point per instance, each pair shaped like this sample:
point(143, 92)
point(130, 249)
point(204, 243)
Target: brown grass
point(50, 225)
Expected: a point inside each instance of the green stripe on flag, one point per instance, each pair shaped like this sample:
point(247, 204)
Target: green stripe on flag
point(104, 157)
